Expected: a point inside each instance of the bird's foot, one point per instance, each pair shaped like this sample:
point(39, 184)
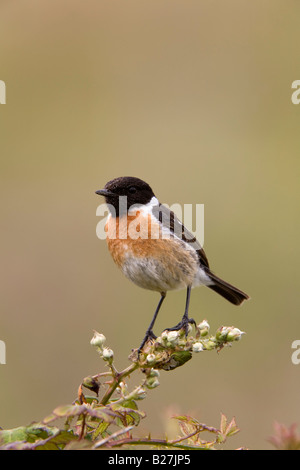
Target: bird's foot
point(149, 335)
point(183, 324)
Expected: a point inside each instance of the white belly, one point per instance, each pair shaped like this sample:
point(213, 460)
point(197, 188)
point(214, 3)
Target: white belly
point(153, 275)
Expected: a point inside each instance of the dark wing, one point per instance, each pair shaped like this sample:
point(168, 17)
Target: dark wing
point(169, 220)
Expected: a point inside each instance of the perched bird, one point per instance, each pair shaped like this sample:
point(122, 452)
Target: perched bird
point(154, 249)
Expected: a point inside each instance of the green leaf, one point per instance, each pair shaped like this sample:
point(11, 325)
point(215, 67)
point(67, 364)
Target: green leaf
point(27, 433)
point(35, 436)
point(101, 430)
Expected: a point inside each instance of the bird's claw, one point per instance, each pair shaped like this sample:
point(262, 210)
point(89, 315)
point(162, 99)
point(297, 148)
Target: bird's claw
point(183, 324)
point(149, 335)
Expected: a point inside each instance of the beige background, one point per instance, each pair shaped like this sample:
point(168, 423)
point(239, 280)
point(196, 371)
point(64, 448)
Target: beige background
point(195, 98)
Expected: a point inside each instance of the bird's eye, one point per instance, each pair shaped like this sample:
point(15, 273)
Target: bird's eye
point(132, 190)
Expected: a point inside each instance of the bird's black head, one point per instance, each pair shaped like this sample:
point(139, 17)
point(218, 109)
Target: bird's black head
point(136, 191)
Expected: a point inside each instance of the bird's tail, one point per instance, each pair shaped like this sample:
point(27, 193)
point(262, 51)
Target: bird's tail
point(229, 292)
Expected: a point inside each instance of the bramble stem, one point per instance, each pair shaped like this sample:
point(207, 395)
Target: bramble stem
point(153, 442)
point(116, 381)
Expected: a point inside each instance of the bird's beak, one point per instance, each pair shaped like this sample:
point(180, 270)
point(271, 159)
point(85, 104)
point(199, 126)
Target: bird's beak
point(104, 192)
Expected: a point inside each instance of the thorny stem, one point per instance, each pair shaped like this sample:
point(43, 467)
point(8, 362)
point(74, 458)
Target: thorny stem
point(116, 434)
point(153, 442)
point(175, 444)
point(102, 374)
point(118, 377)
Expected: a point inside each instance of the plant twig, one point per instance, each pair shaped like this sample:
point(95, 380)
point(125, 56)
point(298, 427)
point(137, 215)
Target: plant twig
point(116, 381)
point(112, 436)
point(155, 442)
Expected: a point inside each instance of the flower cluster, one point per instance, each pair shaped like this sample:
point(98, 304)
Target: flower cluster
point(173, 348)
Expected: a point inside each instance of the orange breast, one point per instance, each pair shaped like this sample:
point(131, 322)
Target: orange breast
point(131, 234)
point(140, 236)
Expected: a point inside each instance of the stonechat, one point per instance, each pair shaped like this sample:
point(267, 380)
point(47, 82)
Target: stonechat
point(154, 249)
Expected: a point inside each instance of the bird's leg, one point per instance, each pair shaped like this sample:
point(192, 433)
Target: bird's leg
point(149, 332)
point(184, 323)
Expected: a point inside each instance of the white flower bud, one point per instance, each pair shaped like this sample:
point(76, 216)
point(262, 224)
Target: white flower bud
point(172, 336)
point(151, 358)
point(107, 354)
point(123, 387)
point(98, 340)
point(235, 334)
point(197, 347)
point(203, 328)
point(204, 324)
point(164, 336)
point(222, 333)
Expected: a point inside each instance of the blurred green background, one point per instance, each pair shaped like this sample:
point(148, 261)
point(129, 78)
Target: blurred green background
point(195, 98)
